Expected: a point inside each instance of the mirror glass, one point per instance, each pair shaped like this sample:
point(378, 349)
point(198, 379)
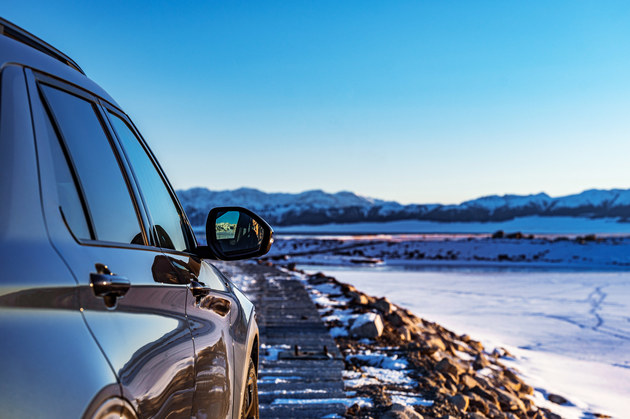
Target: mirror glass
point(237, 232)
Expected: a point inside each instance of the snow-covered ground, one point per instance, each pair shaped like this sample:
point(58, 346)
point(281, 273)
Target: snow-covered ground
point(570, 331)
point(608, 252)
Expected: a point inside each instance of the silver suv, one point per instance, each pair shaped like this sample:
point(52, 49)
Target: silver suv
point(108, 308)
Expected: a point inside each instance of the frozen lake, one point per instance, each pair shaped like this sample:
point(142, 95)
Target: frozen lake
point(570, 331)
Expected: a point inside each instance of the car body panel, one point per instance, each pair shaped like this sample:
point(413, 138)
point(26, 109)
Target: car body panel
point(211, 314)
point(44, 336)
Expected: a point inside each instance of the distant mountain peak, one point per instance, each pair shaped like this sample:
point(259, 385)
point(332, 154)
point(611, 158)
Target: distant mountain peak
point(320, 207)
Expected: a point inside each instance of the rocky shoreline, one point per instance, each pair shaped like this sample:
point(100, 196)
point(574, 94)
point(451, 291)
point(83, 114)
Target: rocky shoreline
point(408, 367)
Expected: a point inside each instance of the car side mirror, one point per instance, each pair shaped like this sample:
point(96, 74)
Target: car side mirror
point(237, 233)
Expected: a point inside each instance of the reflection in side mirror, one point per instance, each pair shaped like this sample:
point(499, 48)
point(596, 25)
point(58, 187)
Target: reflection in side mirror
point(237, 233)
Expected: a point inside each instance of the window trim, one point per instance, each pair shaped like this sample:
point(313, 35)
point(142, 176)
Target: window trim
point(71, 168)
point(45, 80)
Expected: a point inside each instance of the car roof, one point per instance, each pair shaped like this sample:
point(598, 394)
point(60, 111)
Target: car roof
point(13, 31)
point(18, 46)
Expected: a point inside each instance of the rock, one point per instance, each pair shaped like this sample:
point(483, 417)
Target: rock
point(480, 362)
point(346, 288)
point(501, 353)
point(450, 385)
point(529, 404)
point(395, 319)
point(353, 410)
point(368, 325)
point(550, 415)
point(383, 305)
point(446, 366)
point(403, 333)
point(509, 401)
point(445, 391)
point(476, 415)
point(485, 394)
point(435, 342)
point(476, 345)
point(460, 401)
point(526, 389)
point(511, 375)
point(557, 399)
point(358, 297)
point(399, 411)
point(318, 278)
point(468, 381)
point(478, 403)
point(494, 412)
point(512, 385)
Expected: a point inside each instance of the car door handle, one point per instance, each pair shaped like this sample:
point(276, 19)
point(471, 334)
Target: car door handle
point(106, 284)
point(219, 305)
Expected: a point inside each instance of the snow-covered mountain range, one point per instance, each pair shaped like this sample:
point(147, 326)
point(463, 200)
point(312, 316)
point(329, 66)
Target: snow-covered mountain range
point(319, 207)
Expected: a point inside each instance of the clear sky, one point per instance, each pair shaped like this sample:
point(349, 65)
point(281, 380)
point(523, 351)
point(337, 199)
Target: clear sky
point(415, 101)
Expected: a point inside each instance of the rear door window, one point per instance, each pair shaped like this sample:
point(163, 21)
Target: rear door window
point(69, 200)
point(168, 223)
point(110, 208)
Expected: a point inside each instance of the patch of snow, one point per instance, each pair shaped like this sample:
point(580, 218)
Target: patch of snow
point(380, 360)
point(388, 376)
point(361, 401)
point(278, 379)
point(409, 400)
point(337, 332)
point(464, 355)
point(288, 392)
point(270, 352)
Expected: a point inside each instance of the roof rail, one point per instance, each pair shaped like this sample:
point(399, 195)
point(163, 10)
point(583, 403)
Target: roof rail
point(13, 31)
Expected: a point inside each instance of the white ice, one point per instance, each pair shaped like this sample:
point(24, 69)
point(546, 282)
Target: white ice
point(570, 331)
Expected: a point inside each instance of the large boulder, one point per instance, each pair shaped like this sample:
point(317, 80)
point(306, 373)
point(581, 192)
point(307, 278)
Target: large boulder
point(399, 411)
point(368, 325)
point(383, 305)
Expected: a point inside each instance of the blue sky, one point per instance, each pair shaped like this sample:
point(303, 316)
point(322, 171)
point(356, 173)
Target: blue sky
point(415, 101)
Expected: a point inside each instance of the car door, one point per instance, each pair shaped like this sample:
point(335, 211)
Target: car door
point(210, 306)
point(50, 363)
point(132, 301)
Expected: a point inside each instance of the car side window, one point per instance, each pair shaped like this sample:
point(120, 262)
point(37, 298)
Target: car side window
point(167, 222)
point(69, 200)
point(109, 204)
